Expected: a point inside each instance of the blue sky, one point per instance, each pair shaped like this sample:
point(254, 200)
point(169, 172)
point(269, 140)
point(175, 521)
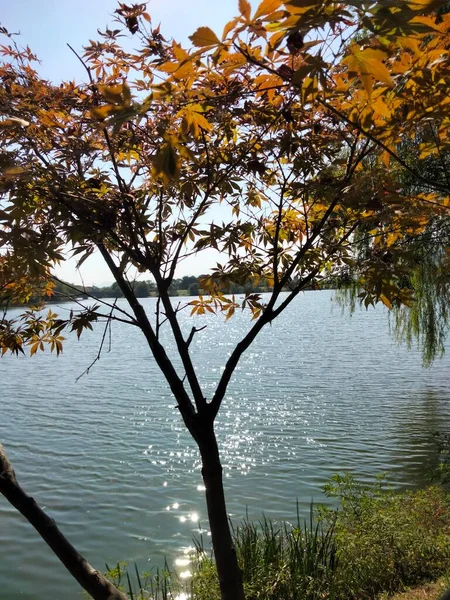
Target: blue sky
point(48, 25)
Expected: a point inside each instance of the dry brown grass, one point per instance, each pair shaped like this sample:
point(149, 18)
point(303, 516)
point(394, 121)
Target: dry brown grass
point(428, 591)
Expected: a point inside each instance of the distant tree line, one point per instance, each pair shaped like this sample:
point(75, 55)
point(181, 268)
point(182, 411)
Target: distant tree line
point(189, 285)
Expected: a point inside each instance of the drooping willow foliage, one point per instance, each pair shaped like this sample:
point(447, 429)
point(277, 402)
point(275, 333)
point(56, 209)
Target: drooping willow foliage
point(424, 320)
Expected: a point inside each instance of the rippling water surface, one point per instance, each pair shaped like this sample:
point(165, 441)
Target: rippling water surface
point(108, 457)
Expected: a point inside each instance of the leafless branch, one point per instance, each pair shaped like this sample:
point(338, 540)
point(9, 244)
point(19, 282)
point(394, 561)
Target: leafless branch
point(99, 353)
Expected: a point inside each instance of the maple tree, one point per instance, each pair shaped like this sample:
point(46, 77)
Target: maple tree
point(277, 144)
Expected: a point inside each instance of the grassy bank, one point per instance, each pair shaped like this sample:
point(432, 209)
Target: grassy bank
point(377, 543)
point(427, 591)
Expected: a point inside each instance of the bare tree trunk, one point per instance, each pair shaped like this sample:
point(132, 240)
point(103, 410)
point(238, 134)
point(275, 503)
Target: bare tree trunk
point(91, 580)
point(230, 575)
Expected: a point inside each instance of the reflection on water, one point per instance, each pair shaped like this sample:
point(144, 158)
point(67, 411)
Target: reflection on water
point(318, 393)
point(415, 439)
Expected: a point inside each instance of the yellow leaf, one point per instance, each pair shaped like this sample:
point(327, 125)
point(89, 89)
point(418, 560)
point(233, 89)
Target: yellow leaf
point(128, 156)
point(11, 172)
point(116, 94)
point(179, 52)
point(256, 312)
point(230, 313)
point(204, 37)
point(411, 44)
point(103, 112)
point(403, 63)
point(299, 7)
point(199, 121)
point(386, 301)
point(48, 119)
point(427, 148)
point(111, 93)
point(367, 63)
point(266, 7)
point(379, 71)
point(310, 87)
point(288, 23)
point(233, 62)
point(245, 8)
point(168, 67)
point(385, 158)
point(421, 4)
point(186, 69)
point(391, 238)
point(428, 22)
point(267, 84)
point(13, 122)
point(381, 108)
point(229, 27)
point(126, 93)
point(275, 39)
point(166, 163)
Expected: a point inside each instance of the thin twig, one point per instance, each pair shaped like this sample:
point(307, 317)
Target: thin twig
point(100, 300)
point(97, 358)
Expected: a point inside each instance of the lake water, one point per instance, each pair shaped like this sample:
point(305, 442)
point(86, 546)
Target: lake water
point(108, 457)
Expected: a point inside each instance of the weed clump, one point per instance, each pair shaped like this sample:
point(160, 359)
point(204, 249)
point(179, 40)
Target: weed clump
point(377, 542)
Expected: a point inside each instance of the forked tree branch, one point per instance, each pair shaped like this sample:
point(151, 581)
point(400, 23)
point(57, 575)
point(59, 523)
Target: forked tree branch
point(267, 317)
point(165, 364)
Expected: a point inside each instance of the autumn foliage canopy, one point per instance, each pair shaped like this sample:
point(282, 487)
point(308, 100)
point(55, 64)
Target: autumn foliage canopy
point(307, 140)
point(278, 143)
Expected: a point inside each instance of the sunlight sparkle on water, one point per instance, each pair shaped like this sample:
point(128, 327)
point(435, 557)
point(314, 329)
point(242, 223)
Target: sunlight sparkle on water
point(290, 405)
point(185, 574)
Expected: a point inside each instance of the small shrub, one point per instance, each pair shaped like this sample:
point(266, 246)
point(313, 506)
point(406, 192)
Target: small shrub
point(388, 540)
point(442, 475)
